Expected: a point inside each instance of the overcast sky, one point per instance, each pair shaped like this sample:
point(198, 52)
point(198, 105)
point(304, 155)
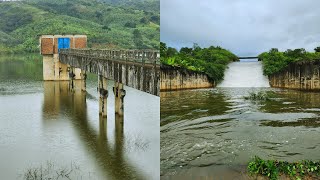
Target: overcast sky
point(246, 27)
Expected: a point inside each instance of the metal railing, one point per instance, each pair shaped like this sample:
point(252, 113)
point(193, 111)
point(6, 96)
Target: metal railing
point(140, 56)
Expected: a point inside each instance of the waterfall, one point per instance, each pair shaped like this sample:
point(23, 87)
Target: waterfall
point(244, 74)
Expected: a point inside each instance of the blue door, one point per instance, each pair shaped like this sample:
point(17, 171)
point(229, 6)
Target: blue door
point(63, 43)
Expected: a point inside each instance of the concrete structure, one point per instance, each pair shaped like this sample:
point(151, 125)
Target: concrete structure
point(248, 57)
point(174, 78)
point(303, 75)
point(50, 46)
point(139, 69)
point(65, 58)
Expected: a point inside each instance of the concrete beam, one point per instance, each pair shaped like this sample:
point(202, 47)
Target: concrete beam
point(139, 69)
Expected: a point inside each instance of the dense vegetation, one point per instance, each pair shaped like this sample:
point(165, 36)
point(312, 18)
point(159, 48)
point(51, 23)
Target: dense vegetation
point(273, 168)
point(146, 5)
point(274, 61)
point(107, 23)
point(212, 61)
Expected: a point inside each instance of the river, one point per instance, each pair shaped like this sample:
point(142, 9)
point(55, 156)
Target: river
point(45, 125)
point(215, 132)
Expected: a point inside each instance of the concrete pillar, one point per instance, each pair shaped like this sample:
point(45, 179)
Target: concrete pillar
point(103, 92)
point(78, 74)
point(48, 68)
point(71, 78)
point(102, 128)
point(54, 70)
point(119, 123)
point(98, 90)
point(83, 75)
point(119, 94)
point(60, 69)
point(57, 68)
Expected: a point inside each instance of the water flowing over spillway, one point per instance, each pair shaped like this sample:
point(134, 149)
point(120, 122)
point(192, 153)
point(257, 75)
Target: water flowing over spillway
point(244, 74)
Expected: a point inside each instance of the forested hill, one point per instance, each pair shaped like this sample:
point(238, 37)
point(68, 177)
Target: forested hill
point(107, 23)
point(147, 5)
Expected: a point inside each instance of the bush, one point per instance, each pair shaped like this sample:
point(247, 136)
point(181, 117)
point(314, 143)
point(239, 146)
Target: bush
point(273, 168)
point(274, 61)
point(213, 60)
point(130, 25)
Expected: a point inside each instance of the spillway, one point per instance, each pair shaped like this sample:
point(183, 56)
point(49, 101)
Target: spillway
point(244, 74)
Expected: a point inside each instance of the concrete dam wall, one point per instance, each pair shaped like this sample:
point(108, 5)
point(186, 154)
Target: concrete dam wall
point(176, 78)
point(303, 75)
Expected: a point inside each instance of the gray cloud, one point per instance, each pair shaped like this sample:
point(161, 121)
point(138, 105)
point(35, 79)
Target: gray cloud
point(246, 27)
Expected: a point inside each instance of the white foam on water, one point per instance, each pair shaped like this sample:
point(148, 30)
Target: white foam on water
point(245, 74)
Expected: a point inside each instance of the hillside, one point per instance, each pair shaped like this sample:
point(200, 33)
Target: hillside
point(107, 24)
point(147, 5)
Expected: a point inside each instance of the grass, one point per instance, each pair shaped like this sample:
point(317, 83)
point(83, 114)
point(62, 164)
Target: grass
point(273, 168)
point(50, 171)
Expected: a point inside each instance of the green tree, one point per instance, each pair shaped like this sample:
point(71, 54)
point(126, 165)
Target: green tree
point(155, 19)
point(274, 61)
point(273, 50)
point(106, 27)
point(296, 53)
point(196, 46)
point(16, 20)
point(144, 20)
point(212, 61)
point(99, 15)
point(19, 31)
point(171, 52)
point(137, 39)
point(130, 25)
point(186, 50)
point(163, 50)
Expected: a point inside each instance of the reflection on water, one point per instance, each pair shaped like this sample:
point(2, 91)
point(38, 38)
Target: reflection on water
point(46, 121)
point(215, 132)
point(112, 161)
